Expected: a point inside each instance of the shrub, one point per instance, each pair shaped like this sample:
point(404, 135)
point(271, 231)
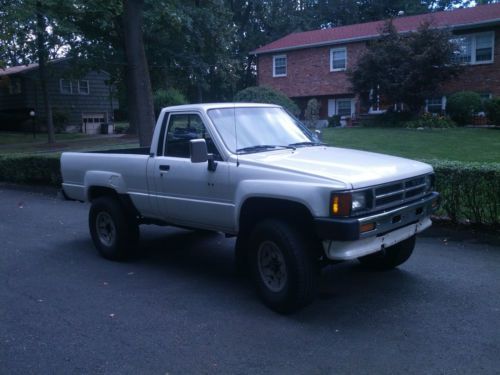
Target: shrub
point(469, 191)
point(311, 114)
point(389, 119)
point(334, 121)
point(42, 170)
point(428, 120)
point(492, 108)
point(461, 106)
point(261, 94)
point(165, 98)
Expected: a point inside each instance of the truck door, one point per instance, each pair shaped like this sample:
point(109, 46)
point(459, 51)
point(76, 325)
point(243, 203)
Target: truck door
point(188, 193)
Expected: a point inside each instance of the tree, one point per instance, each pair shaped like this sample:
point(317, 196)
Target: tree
point(406, 68)
point(30, 32)
point(140, 96)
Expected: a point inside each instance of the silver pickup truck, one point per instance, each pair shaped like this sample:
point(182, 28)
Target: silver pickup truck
point(255, 172)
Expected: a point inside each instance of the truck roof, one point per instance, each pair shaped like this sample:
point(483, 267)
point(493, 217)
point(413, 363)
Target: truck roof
point(207, 106)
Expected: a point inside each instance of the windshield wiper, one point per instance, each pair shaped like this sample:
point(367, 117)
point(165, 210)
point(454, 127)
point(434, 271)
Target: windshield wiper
point(258, 148)
point(299, 144)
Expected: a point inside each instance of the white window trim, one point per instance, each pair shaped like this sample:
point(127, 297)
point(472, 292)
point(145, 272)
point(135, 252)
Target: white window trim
point(443, 104)
point(88, 87)
point(274, 65)
point(332, 51)
point(337, 106)
point(61, 86)
point(473, 47)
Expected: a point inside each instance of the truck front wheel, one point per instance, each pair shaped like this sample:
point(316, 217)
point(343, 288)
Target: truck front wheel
point(390, 257)
point(284, 265)
point(114, 231)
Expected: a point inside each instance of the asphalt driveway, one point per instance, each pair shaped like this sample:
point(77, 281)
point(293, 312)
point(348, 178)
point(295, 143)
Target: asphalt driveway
point(180, 309)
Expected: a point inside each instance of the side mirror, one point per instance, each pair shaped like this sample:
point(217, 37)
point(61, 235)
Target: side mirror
point(198, 150)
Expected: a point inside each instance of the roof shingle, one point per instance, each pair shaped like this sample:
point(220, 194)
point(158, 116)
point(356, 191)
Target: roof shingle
point(453, 19)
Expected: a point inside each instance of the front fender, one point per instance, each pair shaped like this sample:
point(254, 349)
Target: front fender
point(313, 196)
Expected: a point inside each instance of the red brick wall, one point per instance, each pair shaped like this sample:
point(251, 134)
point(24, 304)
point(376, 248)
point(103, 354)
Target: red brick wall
point(308, 72)
point(483, 78)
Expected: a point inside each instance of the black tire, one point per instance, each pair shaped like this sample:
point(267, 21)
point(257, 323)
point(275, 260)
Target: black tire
point(390, 257)
point(295, 261)
point(114, 231)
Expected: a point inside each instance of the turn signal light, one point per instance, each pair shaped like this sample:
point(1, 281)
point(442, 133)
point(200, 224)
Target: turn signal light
point(341, 204)
point(367, 227)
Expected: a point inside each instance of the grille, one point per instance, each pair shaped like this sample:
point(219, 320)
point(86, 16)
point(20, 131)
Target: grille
point(399, 192)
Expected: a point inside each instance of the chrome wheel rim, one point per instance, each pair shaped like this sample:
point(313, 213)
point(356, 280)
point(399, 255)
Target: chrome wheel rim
point(272, 266)
point(105, 228)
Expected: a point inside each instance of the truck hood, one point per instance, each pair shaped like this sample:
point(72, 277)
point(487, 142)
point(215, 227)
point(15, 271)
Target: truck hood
point(358, 169)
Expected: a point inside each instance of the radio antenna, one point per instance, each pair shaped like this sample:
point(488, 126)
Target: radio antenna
point(236, 135)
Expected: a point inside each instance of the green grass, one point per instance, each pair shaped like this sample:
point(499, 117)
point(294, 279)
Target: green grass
point(23, 143)
point(460, 144)
point(7, 138)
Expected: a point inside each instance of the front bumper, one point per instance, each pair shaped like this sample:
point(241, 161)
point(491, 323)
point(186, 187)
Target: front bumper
point(349, 229)
point(343, 239)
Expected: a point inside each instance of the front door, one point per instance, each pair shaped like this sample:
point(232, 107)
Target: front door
point(188, 193)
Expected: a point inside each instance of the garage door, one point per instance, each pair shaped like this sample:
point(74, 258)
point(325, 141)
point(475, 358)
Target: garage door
point(91, 122)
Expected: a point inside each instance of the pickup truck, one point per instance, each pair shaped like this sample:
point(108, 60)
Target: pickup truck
point(256, 172)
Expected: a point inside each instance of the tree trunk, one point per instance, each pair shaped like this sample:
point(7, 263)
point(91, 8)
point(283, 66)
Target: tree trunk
point(42, 73)
point(139, 94)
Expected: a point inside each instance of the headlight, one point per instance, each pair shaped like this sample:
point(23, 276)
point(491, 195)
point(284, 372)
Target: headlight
point(429, 182)
point(345, 204)
point(359, 201)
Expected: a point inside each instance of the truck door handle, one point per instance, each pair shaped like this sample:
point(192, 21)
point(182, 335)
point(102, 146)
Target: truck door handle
point(164, 167)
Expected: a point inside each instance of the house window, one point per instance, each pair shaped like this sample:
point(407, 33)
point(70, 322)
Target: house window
point(65, 86)
point(485, 96)
point(15, 86)
point(344, 107)
point(338, 59)
point(279, 66)
point(83, 87)
point(474, 48)
point(435, 105)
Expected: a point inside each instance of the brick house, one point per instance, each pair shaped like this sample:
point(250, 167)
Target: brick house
point(79, 102)
point(314, 64)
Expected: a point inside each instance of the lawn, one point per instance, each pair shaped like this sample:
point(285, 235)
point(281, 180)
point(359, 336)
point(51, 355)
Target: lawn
point(23, 143)
point(461, 144)
point(16, 138)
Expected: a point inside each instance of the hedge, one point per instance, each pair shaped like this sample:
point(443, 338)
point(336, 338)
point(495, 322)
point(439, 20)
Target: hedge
point(470, 192)
point(32, 169)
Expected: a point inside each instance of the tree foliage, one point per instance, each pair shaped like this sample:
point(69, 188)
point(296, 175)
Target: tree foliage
point(202, 48)
point(406, 68)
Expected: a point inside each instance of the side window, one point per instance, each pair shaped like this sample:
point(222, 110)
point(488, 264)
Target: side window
point(181, 129)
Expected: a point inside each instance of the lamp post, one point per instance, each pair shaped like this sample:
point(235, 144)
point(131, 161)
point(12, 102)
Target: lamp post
point(33, 124)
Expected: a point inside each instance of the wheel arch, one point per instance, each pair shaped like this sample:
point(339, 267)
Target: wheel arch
point(95, 192)
point(255, 209)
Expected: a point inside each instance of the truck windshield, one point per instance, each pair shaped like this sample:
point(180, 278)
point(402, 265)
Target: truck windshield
point(258, 129)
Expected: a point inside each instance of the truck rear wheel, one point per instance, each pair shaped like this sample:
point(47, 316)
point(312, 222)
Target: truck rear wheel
point(390, 257)
point(114, 231)
point(284, 265)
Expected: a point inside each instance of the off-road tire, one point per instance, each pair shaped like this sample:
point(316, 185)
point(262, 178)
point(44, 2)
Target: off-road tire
point(114, 231)
point(389, 257)
point(299, 259)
